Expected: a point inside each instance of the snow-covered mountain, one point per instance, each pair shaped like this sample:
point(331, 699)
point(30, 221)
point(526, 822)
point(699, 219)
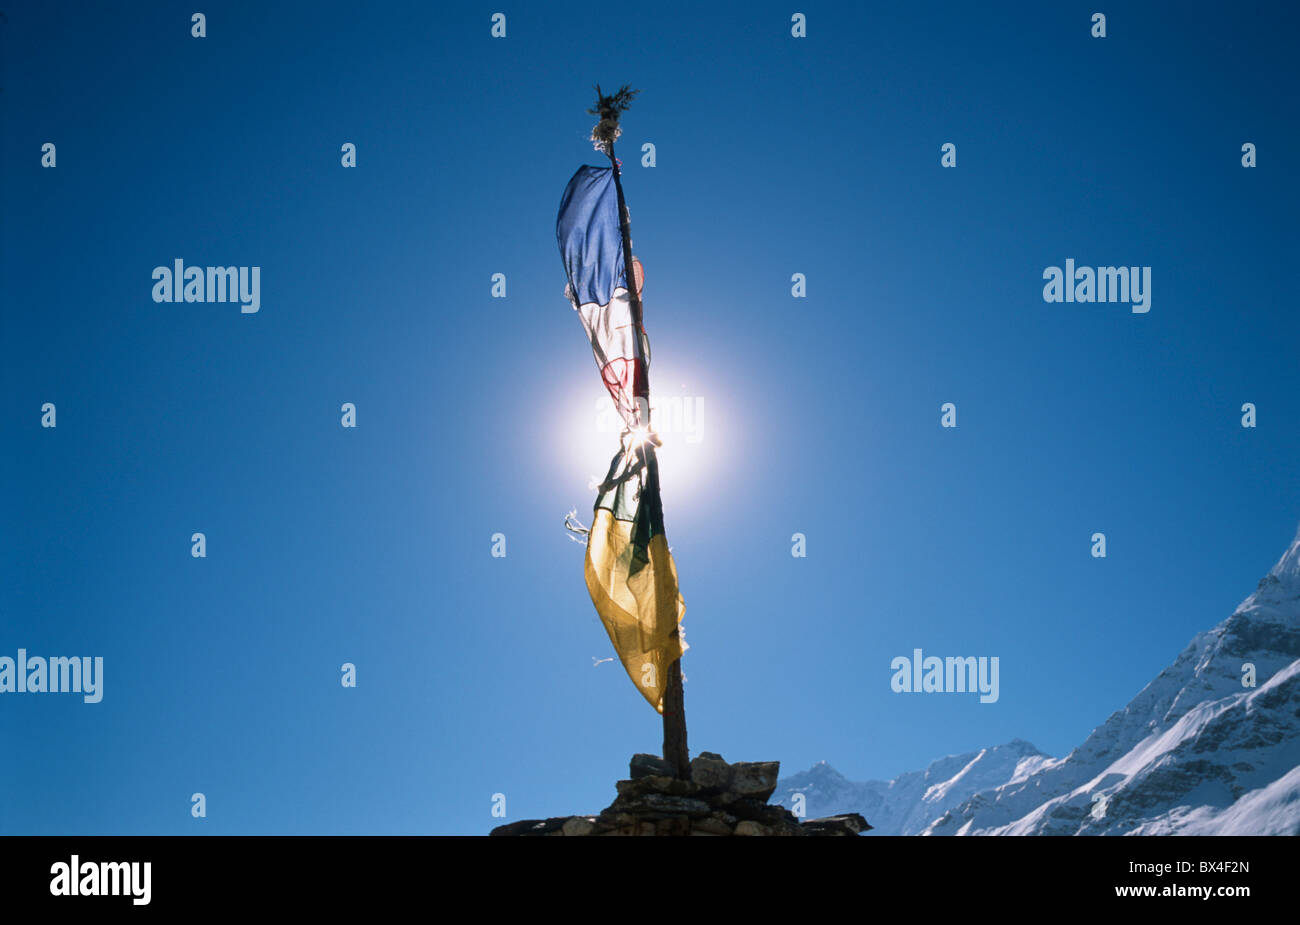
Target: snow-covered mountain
point(1195, 752)
point(907, 804)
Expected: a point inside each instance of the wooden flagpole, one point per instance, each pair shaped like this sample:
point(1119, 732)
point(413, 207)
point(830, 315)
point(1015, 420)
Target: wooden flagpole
point(676, 752)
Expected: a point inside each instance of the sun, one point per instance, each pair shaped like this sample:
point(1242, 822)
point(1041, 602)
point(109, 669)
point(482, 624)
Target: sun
point(684, 429)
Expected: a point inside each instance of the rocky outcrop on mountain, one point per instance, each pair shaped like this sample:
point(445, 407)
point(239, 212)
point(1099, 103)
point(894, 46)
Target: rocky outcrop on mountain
point(719, 799)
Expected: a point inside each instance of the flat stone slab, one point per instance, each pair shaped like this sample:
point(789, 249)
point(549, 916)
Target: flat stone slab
point(845, 824)
point(643, 765)
point(532, 826)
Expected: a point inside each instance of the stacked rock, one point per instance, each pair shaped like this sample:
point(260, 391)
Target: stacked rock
point(719, 799)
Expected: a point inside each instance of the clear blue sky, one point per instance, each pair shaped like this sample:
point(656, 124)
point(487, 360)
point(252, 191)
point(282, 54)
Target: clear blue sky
point(820, 416)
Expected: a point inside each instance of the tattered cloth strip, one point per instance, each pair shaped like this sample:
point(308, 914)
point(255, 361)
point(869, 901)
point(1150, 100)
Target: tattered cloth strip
point(631, 576)
point(630, 573)
point(591, 245)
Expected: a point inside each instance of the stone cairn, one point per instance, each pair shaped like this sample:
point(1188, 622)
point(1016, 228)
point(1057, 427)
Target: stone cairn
point(719, 799)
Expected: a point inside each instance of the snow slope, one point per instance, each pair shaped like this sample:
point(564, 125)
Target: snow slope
point(1195, 752)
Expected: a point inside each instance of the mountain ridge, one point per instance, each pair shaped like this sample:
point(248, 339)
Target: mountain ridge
point(1197, 750)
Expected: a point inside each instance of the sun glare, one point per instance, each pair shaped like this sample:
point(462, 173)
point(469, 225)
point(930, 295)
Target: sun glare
point(683, 427)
